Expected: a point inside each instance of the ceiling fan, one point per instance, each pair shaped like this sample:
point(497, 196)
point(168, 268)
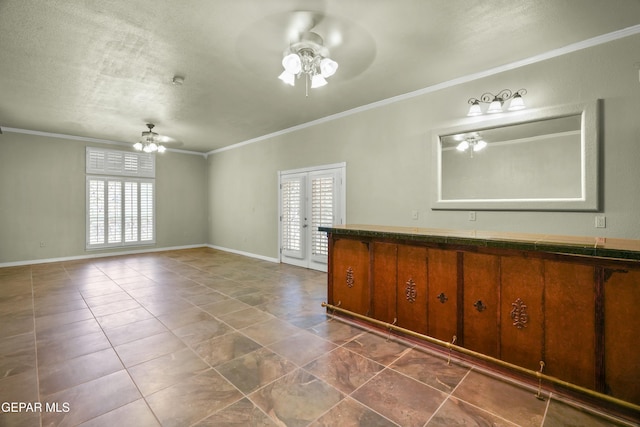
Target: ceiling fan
point(313, 35)
point(152, 142)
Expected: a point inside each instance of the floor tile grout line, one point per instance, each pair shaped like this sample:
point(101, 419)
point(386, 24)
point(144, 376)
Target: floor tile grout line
point(121, 362)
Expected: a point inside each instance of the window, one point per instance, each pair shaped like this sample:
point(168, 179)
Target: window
point(120, 207)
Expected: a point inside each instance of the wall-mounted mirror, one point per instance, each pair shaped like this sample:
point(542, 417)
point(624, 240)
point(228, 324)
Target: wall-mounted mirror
point(540, 160)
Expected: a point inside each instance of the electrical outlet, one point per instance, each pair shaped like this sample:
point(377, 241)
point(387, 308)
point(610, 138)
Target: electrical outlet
point(601, 221)
point(472, 216)
point(43, 244)
point(414, 214)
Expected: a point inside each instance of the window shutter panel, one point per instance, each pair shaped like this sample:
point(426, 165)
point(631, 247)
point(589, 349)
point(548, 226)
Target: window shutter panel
point(120, 163)
point(292, 221)
point(322, 212)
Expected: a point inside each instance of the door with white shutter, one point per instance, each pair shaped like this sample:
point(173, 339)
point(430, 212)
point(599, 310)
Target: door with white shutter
point(310, 198)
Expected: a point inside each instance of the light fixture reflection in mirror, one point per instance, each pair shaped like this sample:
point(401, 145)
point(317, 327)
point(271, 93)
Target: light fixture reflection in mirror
point(471, 140)
point(549, 162)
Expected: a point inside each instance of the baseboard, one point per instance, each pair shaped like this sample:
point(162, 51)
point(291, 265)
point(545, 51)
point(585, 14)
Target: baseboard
point(247, 254)
point(99, 255)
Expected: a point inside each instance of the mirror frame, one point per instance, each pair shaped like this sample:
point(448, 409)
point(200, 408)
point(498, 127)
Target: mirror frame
point(590, 164)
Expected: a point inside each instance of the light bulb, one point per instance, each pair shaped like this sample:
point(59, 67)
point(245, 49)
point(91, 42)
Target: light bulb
point(161, 148)
point(137, 146)
point(475, 109)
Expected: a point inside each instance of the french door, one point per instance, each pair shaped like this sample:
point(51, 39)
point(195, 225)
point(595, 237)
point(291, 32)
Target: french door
point(310, 198)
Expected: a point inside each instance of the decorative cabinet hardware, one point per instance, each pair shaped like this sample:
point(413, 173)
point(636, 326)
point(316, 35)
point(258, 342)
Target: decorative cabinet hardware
point(410, 290)
point(519, 314)
point(350, 281)
point(442, 297)
point(480, 306)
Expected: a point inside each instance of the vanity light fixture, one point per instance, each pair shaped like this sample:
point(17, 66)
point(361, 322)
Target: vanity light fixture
point(496, 102)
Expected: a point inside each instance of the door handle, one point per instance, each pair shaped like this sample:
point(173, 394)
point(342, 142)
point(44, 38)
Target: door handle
point(442, 297)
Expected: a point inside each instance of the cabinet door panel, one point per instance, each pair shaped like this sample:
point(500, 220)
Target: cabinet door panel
point(570, 322)
point(481, 308)
point(621, 331)
point(384, 281)
point(442, 297)
point(350, 272)
point(412, 288)
point(522, 322)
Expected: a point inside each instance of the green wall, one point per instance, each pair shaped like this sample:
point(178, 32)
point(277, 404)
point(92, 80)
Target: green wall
point(42, 199)
point(388, 154)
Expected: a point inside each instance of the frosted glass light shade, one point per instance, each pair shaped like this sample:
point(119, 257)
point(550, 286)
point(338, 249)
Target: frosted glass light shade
point(479, 145)
point(495, 106)
point(317, 81)
point(292, 63)
point(328, 67)
point(475, 109)
point(288, 78)
point(463, 145)
point(517, 103)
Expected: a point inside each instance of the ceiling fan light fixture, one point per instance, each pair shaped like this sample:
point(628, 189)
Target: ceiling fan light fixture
point(308, 58)
point(150, 142)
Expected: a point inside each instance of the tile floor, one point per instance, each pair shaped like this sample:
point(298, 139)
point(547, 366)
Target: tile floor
point(208, 338)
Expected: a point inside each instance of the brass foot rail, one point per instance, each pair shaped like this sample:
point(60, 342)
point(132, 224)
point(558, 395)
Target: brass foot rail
point(537, 374)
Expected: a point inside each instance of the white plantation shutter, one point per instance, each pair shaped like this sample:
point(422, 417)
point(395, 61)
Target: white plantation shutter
point(322, 212)
point(293, 221)
point(101, 161)
point(146, 212)
point(95, 212)
point(120, 208)
point(130, 212)
point(114, 208)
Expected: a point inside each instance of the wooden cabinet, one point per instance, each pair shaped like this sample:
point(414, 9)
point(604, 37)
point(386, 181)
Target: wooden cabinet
point(400, 285)
point(575, 313)
point(481, 303)
point(522, 311)
point(570, 322)
point(385, 259)
point(412, 288)
point(621, 332)
point(442, 306)
point(349, 286)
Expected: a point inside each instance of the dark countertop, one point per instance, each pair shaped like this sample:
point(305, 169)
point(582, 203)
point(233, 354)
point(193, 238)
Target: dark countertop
point(575, 245)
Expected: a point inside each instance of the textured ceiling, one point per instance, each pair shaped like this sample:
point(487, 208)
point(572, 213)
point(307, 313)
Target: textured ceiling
point(102, 69)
